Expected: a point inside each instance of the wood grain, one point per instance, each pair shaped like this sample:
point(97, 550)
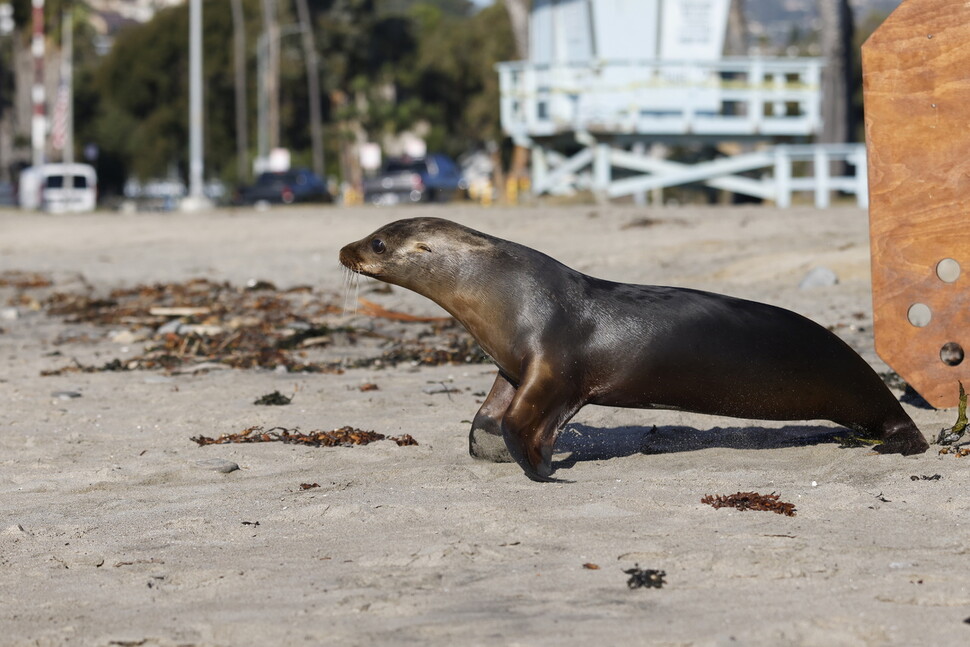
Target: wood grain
point(917, 101)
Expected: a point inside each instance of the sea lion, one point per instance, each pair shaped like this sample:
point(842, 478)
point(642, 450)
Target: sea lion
point(562, 340)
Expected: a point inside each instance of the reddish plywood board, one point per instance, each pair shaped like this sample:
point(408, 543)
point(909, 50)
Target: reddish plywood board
point(916, 78)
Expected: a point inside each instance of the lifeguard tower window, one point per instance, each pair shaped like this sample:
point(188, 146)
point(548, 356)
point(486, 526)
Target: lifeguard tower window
point(80, 182)
point(55, 182)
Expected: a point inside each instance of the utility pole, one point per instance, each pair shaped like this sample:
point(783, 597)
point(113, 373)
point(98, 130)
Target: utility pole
point(271, 84)
point(262, 105)
point(313, 86)
point(7, 27)
point(266, 128)
point(38, 95)
point(239, 59)
point(196, 199)
point(67, 84)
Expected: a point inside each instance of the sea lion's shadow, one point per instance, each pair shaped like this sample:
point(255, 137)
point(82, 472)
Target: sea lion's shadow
point(588, 443)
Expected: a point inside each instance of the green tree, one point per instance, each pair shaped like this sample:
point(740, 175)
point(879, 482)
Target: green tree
point(456, 60)
point(381, 72)
point(140, 95)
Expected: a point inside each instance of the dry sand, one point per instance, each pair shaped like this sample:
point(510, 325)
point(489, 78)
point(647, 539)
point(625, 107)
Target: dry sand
point(112, 533)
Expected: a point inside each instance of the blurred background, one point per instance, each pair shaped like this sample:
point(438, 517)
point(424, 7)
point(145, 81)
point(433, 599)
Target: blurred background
point(389, 101)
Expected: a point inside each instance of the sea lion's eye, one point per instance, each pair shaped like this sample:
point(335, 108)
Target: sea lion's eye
point(378, 246)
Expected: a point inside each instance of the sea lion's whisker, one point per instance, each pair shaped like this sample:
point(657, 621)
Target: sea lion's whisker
point(351, 283)
point(356, 280)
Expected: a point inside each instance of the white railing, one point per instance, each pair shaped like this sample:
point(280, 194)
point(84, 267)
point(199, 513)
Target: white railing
point(735, 96)
point(775, 173)
point(820, 181)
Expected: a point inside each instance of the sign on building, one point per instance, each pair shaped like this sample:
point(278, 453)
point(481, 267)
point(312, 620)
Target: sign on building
point(580, 31)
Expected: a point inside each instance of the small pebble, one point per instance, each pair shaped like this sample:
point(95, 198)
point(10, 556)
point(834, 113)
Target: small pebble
point(218, 465)
point(172, 326)
point(9, 314)
point(819, 277)
point(158, 379)
point(125, 337)
point(438, 388)
point(65, 395)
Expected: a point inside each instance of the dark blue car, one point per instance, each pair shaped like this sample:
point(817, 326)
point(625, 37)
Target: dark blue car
point(433, 178)
point(286, 187)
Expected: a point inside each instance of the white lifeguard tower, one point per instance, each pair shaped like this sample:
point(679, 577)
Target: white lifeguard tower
point(608, 80)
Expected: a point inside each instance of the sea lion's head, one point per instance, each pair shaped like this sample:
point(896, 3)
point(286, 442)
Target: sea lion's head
point(417, 253)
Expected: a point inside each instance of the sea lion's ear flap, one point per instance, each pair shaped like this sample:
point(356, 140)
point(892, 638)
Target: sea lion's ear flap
point(424, 247)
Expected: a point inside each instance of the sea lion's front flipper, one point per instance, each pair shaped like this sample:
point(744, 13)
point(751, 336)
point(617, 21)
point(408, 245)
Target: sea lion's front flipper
point(485, 440)
point(541, 406)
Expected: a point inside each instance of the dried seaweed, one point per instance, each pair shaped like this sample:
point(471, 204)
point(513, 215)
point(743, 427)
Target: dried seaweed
point(645, 577)
point(77, 367)
point(640, 222)
point(372, 309)
point(455, 347)
point(273, 399)
point(955, 433)
point(139, 561)
point(751, 501)
point(21, 280)
point(201, 322)
point(957, 452)
point(342, 437)
point(852, 441)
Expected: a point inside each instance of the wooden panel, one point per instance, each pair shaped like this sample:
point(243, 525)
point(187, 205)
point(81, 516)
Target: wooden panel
point(917, 100)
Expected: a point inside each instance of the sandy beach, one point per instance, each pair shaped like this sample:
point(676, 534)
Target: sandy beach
point(117, 529)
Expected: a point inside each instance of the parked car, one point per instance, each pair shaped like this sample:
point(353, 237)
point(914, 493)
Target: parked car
point(8, 195)
point(160, 194)
point(434, 178)
point(286, 187)
point(59, 188)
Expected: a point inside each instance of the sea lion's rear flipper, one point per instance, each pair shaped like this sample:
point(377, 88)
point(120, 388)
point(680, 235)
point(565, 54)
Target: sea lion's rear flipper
point(540, 407)
point(902, 438)
point(890, 425)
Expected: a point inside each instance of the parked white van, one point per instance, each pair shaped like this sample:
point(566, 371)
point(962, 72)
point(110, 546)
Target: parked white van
point(59, 188)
